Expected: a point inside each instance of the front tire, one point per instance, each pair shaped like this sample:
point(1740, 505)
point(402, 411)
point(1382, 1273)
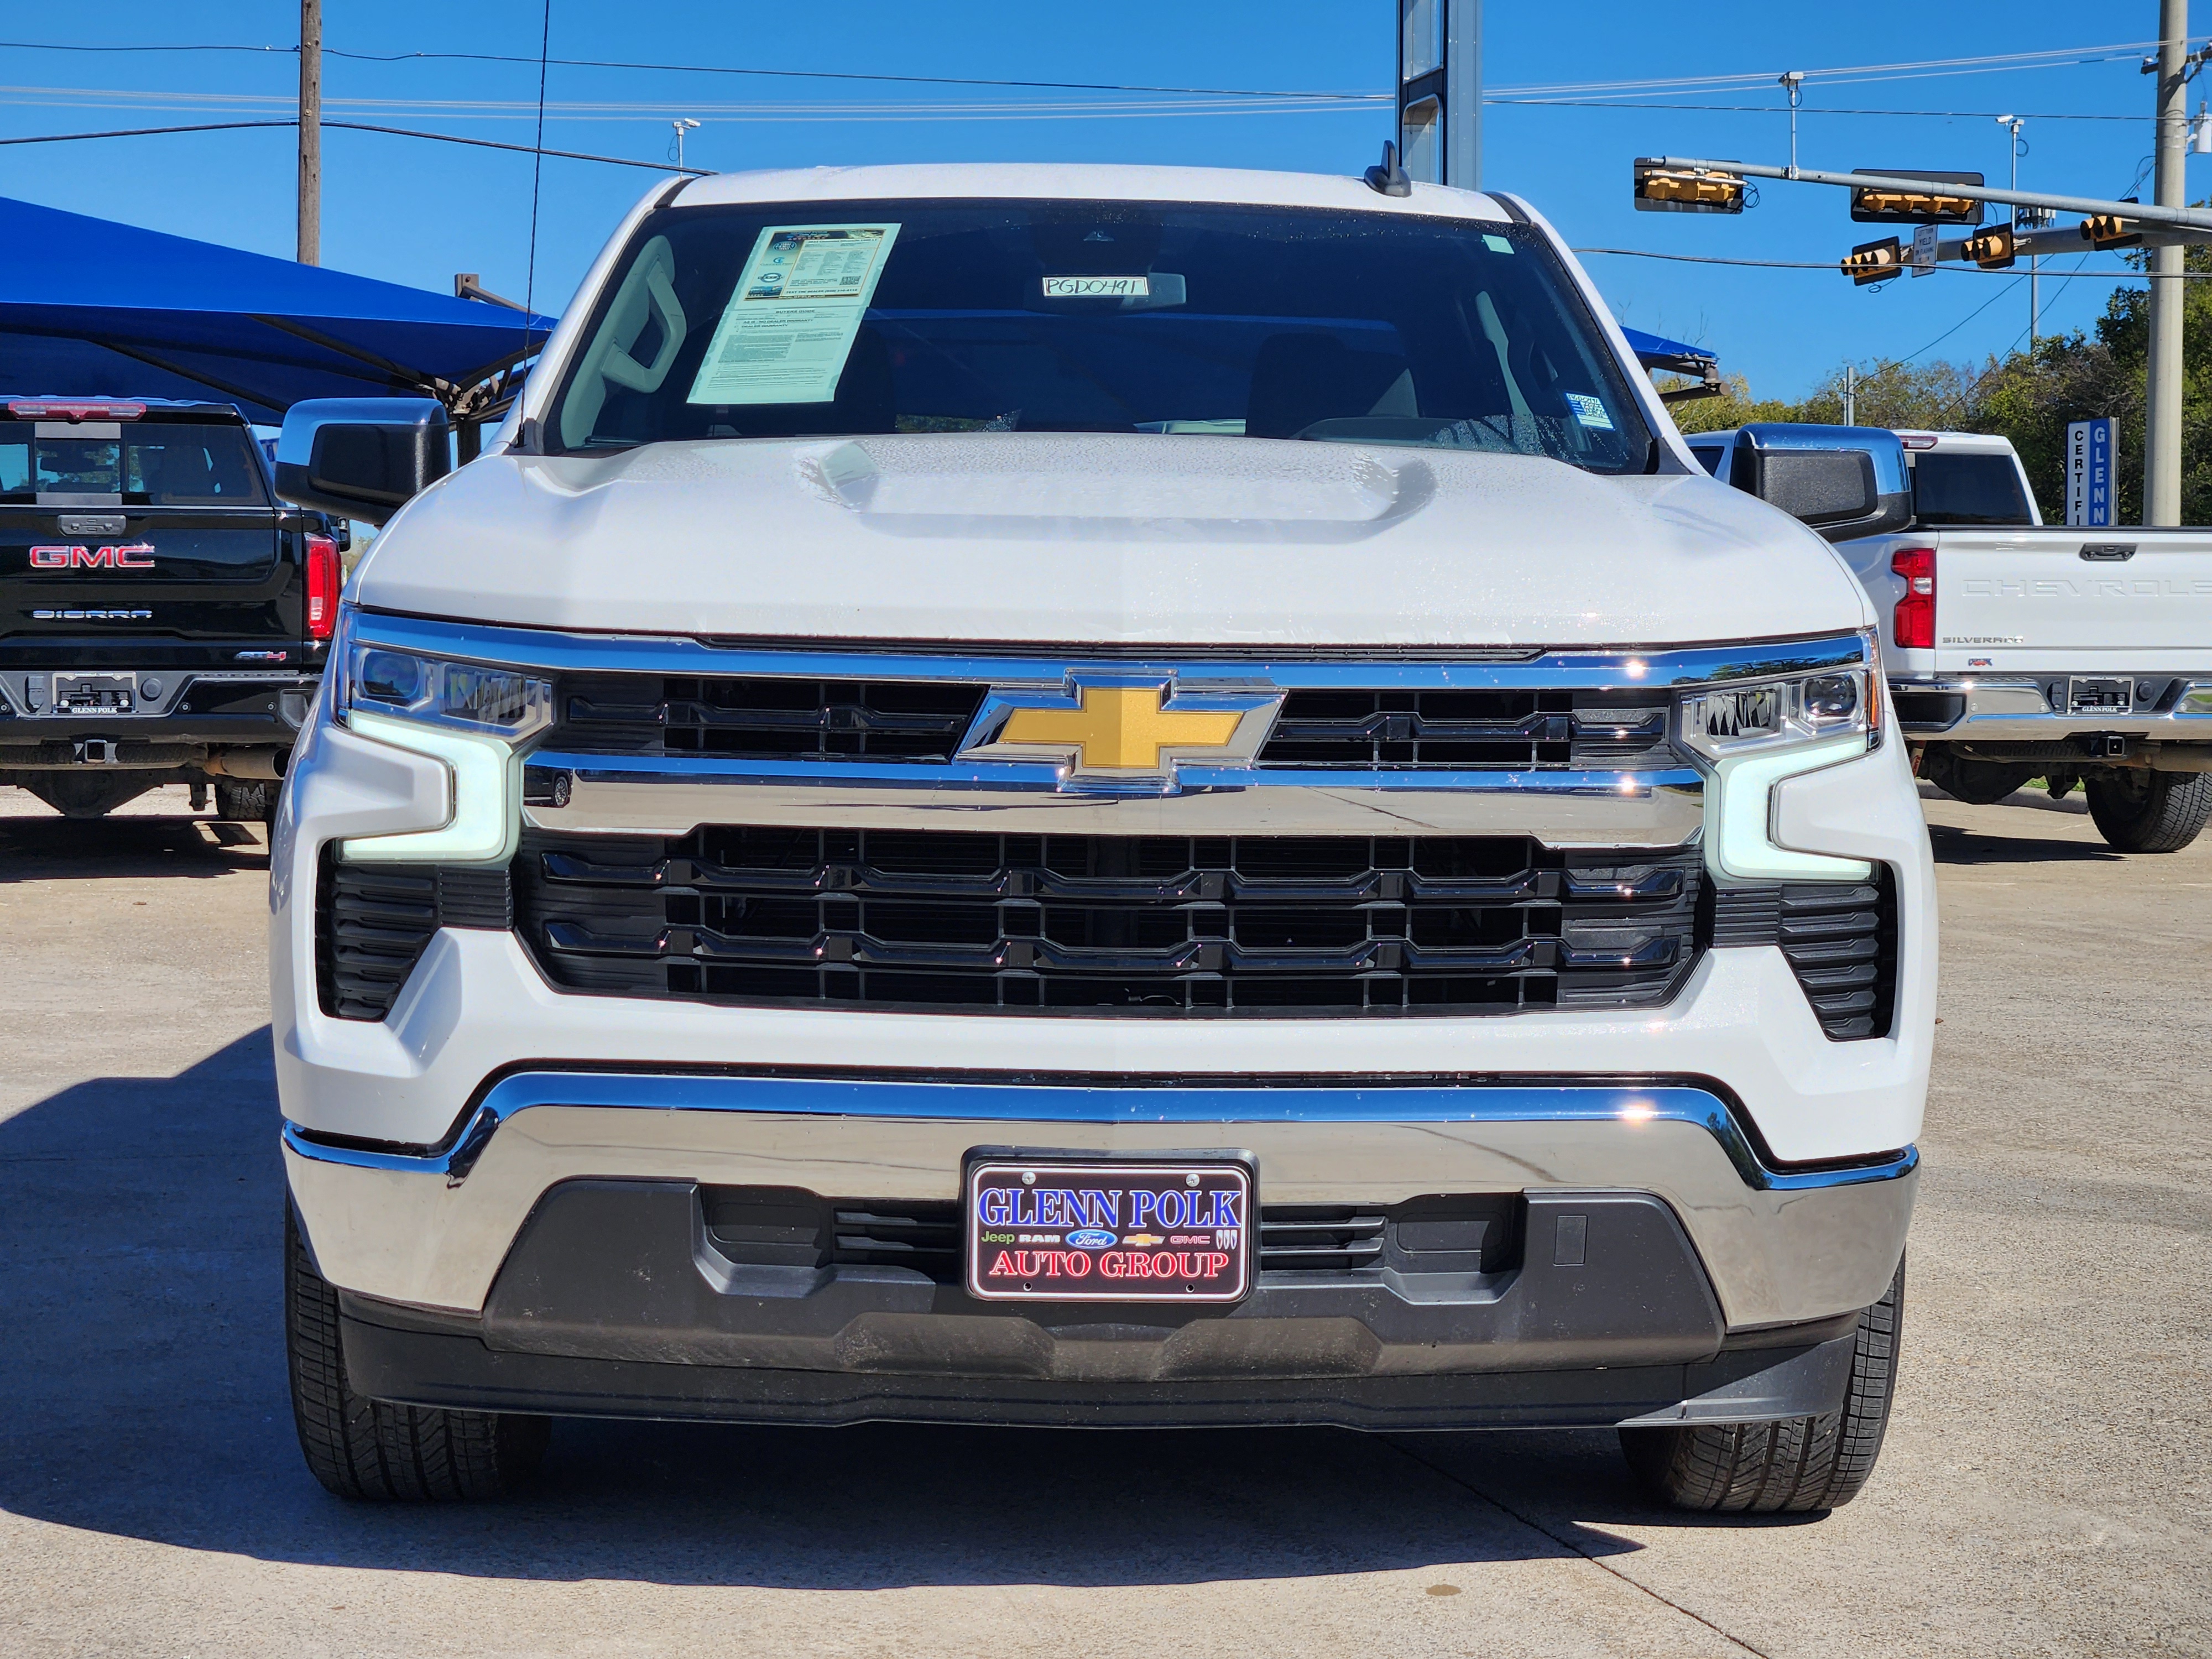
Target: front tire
point(1800, 1464)
point(371, 1450)
point(2150, 811)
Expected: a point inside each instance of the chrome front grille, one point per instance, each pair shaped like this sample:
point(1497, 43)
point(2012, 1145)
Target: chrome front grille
point(1162, 926)
point(759, 717)
point(1469, 731)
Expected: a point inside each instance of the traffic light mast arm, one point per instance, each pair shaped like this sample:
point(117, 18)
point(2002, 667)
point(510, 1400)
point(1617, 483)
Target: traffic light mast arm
point(2138, 213)
point(2068, 239)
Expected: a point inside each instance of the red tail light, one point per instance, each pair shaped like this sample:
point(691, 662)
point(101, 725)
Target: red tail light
point(1915, 622)
point(325, 577)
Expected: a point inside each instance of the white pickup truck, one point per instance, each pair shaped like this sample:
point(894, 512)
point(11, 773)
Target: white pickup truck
point(1114, 796)
point(2016, 649)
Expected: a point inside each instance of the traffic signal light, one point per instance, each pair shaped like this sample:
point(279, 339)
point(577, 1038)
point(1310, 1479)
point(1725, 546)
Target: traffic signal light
point(1685, 190)
point(1874, 262)
point(1995, 249)
point(1884, 204)
point(2105, 231)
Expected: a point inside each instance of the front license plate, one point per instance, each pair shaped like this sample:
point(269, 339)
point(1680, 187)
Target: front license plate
point(1053, 1229)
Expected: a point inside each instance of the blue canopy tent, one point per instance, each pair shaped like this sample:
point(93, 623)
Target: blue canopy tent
point(1699, 365)
point(90, 307)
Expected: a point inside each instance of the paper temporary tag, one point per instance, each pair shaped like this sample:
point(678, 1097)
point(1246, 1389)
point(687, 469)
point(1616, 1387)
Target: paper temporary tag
point(1589, 410)
point(793, 317)
point(1097, 287)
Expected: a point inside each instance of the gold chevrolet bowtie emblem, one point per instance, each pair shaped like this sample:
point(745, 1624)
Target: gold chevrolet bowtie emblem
point(1121, 733)
point(1121, 728)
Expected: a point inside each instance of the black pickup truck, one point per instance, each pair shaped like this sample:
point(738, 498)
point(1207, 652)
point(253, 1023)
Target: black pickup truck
point(163, 618)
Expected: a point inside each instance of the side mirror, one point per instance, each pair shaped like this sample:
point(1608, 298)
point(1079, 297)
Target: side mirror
point(1842, 481)
point(361, 458)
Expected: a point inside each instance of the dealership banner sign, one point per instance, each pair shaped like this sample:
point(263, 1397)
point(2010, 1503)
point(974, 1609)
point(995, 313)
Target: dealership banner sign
point(2089, 472)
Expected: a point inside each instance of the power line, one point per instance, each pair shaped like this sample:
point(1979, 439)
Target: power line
point(519, 150)
point(1964, 320)
point(715, 69)
point(1934, 68)
point(1809, 109)
point(1947, 269)
point(359, 126)
point(779, 111)
point(2059, 58)
point(141, 132)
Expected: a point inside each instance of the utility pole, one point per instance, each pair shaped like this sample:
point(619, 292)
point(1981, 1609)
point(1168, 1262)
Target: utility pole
point(1851, 395)
point(2162, 390)
point(311, 132)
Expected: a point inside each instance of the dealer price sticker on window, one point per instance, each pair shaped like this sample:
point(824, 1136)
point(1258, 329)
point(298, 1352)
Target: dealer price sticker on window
point(791, 321)
point(1054, 1231)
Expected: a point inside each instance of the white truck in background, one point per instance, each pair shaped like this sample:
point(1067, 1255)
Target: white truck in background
point(2015, 649)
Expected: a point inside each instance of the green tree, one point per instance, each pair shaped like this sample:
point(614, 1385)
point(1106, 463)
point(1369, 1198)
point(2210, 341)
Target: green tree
point(2028, 396)
point(1734, 408)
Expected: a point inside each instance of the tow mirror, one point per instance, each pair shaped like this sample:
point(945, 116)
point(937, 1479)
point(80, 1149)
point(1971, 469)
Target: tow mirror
point(1840, 481)
point(361, 458)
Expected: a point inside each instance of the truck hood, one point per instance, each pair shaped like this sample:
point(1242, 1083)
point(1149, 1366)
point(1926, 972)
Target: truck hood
point(1115, 539)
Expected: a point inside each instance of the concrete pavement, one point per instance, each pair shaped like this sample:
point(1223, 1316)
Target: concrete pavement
point(2045, 1490)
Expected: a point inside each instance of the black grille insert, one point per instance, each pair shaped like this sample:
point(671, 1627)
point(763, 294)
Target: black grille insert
point(1163, 925)
point(373, 923)
point(766, 718)
point(788, 1226)
point(762, 717)
point(1473, 731)
point(1840, 939)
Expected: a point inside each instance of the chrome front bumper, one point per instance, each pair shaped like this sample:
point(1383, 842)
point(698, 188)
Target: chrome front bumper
point(432, 1228)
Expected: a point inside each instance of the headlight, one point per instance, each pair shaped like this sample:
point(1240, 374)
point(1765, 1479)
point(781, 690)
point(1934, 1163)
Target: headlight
point(473, 696)
point(1750, 735)
point(472, 717)
point(1720, 720)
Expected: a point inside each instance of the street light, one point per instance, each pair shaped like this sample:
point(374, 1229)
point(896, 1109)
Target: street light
point(2024, 219)
point(683, 125)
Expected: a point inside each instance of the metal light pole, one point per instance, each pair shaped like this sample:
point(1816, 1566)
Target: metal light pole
point(2162, 390)
point(1793, 83)
point(2022, 219)
point(311, 132)
point(683, 125)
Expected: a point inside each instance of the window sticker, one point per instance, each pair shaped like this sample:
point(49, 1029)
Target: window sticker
point(793, 315)
point(1496, 244)
point(1097, 287)
point(1589, 410)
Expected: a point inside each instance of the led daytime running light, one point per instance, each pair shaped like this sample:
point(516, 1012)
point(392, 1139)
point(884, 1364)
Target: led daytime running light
point(470, 695)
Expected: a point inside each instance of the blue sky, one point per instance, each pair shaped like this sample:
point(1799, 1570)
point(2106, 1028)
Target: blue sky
point(417, 212)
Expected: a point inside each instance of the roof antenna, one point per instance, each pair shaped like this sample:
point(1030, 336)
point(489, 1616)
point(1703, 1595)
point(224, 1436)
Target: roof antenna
point(1390, 179)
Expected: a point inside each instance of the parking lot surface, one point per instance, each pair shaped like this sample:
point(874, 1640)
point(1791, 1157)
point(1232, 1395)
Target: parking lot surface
point(2047, 1489)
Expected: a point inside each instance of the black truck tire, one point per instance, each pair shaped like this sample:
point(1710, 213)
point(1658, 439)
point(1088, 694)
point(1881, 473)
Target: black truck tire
point(376, 1452)
point(249, 801)
point(1800, 1464)
point(93, 793)
point(2142, 812)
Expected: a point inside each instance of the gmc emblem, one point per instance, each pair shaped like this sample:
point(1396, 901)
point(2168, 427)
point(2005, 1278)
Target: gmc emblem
point(138, 555)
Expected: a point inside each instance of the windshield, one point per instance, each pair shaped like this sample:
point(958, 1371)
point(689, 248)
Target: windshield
point(1965, 489)
point(111, 464)
point(853, 318)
